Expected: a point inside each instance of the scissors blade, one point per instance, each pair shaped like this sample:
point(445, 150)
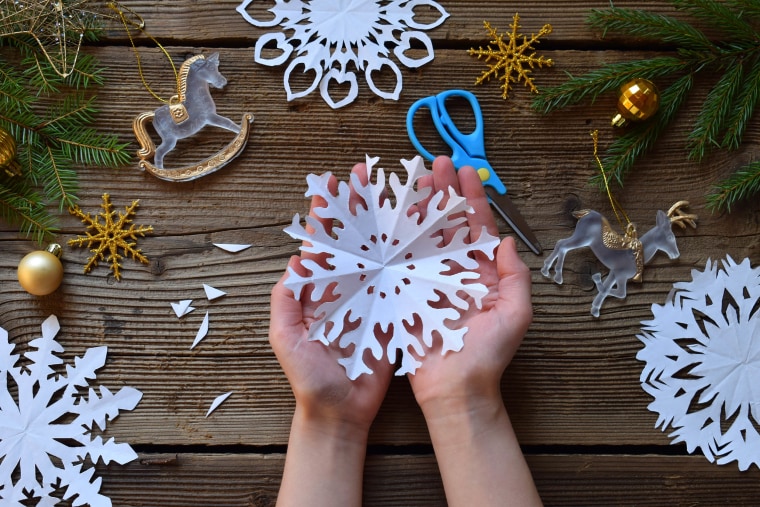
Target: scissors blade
point(508, 211)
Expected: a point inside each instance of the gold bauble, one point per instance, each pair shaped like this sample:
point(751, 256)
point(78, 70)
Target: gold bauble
point(8, 153)
point(639, 99)
point(41, 272)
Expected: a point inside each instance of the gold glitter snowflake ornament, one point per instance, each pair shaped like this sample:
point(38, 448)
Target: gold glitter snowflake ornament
point(511, 58)
point(110, 235)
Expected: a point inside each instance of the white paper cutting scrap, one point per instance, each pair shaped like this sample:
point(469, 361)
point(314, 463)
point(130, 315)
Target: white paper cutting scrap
point(218, 401)
point(183, 307)
point(231, 247)
point(213, 293)
point(202, 332)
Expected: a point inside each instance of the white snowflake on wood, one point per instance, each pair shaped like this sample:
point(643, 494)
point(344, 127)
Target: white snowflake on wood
point(702, 354)
point(46, 438)
point(390, 267)
point(332, 38)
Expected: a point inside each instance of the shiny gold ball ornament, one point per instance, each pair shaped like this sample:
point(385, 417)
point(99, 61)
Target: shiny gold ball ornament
point(8, 154)
point(638, 100)
point(40, 272)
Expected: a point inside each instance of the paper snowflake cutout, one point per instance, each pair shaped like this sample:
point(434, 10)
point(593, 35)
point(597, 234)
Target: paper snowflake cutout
point(110, 235)
point(333, 38)
point(702, 354)
point(46, 437)
point(511, 58)
point(388, 265)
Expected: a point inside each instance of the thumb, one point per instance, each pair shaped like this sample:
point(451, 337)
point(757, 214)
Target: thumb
point(514, 285)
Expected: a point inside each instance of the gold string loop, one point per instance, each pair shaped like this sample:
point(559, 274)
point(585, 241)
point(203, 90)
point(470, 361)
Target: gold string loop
point(140, 25)
point(616, 207)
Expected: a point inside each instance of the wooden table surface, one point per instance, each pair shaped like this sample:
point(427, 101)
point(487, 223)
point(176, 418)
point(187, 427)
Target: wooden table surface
point(572, 391)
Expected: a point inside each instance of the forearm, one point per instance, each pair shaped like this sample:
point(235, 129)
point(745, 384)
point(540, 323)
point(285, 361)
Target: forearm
point(480, 460)
point(324, 464)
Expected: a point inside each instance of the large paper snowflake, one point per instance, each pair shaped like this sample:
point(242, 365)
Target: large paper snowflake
point(332, 38)
point(702, 354)
point(46, 437)
point(390, 267)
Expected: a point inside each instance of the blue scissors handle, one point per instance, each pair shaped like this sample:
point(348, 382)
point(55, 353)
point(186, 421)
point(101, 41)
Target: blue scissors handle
point(466, 149)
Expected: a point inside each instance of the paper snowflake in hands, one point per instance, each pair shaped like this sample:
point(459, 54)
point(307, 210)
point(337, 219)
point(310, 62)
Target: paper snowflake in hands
point(50, 433)
point(389, 267)
point(702, 354)
point(511, 58)
point(332, 38)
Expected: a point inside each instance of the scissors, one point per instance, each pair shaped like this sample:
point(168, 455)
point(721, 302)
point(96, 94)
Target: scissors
point(469, 149)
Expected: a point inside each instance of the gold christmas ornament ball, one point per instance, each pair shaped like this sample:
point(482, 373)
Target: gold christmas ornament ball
point(40, 272)
point(8, 154)
point(638, 100)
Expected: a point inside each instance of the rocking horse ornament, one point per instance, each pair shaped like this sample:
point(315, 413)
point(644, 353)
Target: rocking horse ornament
point(186, 114)
point(624, 255)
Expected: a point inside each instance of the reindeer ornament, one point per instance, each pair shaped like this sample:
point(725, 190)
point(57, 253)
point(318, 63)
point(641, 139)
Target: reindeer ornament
point(625, 256)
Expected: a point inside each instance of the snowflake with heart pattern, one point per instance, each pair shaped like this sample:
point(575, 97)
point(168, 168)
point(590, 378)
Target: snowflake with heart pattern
point(702, 354)
point(49, 434)
point(334, 38)
point(390, 268)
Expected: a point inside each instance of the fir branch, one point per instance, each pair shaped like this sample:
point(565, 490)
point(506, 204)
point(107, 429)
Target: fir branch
point(718, 16)
point(625, 150)
point(744, 183)
point(646, 25)
point(21, 207)
point(744, 107)
point(711, 119)
point(607, 78)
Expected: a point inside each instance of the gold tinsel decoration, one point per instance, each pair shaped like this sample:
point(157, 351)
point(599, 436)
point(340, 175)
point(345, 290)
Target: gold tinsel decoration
point(514, 59)
point(107, 237)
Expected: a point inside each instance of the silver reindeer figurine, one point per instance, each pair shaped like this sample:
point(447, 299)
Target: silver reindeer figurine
point(624, 255)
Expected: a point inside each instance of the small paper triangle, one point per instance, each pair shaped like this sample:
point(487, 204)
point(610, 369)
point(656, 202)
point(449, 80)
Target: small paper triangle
point(213, 293)
point(231, 247)
point(183, 307)
point(202, 331)
point(218, 401)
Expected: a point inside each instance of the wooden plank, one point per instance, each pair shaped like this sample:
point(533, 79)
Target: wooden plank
point(185, 19)
point(233, 480)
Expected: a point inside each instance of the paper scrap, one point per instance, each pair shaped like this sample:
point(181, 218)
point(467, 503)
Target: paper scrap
point(231, 247)
point(218, 401)
point(212, 293)
point(183, 307)
point(202, 332)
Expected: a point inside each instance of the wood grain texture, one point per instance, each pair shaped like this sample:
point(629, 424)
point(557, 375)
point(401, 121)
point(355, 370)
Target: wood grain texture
point(574, 382)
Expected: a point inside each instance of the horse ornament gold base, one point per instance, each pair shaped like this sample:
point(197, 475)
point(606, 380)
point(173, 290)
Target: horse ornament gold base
point(186, 114)
point(624, 255)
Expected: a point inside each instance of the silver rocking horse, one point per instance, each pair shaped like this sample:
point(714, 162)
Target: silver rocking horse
point(187, 113)
point(624, 256)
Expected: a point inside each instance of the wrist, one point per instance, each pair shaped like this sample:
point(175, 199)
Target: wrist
point(454, 419)
point(329, 427)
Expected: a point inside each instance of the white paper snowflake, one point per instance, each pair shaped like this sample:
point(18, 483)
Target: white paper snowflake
point(702, 354)
point(333, 38)
point(389, 265)
point(46, 437)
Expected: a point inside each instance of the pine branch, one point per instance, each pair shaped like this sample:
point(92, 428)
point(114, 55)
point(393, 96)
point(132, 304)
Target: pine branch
point(741, 185)
point(625, 150)
point(605, 79)
point(744, 107)
point(712, 118)
point(646, 25)
point(21, 207)
point(729, 106)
